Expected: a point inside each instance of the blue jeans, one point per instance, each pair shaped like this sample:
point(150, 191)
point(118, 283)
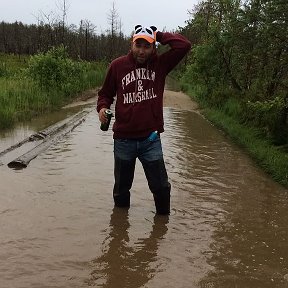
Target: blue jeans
point(150, 154)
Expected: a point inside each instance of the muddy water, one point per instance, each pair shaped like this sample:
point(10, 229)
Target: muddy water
point(227, 228)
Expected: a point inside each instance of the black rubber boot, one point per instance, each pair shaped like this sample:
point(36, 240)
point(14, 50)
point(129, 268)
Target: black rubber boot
point(124, 174)
point(156, 175)
point(162, 203)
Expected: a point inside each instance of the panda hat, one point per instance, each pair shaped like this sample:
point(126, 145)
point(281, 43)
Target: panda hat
point(147, 33)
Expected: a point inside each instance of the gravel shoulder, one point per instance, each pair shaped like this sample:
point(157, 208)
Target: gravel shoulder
point(179, 100)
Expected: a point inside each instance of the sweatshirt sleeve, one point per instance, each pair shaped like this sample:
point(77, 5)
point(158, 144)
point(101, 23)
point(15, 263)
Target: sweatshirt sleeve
point(179, 45)
point(108, 91)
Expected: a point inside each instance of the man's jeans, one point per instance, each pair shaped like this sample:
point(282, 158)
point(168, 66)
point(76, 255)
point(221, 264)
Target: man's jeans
point(150, 154)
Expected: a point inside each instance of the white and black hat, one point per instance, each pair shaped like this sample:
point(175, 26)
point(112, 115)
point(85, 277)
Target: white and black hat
point(147, 33)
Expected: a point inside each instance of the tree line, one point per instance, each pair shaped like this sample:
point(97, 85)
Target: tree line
point(81, 42)
point(239, 62)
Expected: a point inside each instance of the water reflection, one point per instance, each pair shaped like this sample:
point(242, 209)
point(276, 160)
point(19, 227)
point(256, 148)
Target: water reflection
point(228, 226)
point(123, 264)
point(245, 209)
point(250, 245)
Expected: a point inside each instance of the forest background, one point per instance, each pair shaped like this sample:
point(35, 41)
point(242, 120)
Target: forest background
point(237, 69)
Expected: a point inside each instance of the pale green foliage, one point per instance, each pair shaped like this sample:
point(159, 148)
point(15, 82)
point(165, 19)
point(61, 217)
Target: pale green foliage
point(270, 115)
point(51, 80)
point(54, 70)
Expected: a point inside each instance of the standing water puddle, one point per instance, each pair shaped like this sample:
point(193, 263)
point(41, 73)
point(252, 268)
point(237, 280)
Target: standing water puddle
point(227, 228)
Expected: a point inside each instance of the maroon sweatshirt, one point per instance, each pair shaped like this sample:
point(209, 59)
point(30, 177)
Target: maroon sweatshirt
point(139, 88)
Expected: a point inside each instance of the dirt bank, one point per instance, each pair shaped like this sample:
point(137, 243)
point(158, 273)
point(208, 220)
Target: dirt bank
point(177, 100)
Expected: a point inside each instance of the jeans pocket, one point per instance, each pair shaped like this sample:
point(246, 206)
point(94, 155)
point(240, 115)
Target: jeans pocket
point(151, 150)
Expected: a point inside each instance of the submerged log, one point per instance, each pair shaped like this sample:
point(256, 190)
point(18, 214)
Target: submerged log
point(51, 136)
point(51, 130)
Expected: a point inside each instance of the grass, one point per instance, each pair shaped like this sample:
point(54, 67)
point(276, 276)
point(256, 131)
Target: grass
point(11, 64)
point(21, 98)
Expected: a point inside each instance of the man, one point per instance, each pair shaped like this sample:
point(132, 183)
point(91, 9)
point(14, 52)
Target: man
point(138, 80)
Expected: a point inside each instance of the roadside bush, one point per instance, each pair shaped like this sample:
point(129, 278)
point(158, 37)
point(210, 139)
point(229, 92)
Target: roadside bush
point(207, 65)
point(53, 70)
point(51, 81)
point(233, 108)
point(270, 115)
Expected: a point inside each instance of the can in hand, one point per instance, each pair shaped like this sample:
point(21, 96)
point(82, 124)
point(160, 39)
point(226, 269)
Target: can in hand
point(105, 126)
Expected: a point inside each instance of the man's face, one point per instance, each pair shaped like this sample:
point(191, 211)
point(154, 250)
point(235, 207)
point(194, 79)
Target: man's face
point(142, 50)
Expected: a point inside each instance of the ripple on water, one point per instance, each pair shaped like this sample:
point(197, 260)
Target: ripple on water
point(227, 228)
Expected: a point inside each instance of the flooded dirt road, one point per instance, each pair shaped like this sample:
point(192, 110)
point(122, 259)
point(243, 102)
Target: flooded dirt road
point(227, 228)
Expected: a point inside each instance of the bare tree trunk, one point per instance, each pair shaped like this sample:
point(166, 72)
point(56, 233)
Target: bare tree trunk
point(113, 23)
point(63, 8)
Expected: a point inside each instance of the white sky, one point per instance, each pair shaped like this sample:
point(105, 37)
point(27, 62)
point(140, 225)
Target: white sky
point(164, 14)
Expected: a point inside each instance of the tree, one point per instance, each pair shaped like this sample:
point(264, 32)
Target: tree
point(63, 7)
point(113, 31)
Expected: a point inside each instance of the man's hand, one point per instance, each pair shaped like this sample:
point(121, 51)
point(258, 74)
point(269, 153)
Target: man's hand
point(102, 115)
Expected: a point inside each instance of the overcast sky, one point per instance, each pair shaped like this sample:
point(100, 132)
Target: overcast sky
point(164, 14)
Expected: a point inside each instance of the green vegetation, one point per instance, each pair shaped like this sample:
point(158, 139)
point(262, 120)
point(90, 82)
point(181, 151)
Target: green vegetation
point(12, 64)
point(237, 71)
point(42, 83)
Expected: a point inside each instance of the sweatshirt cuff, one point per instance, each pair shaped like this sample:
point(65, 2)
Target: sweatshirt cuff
point(98, 108)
